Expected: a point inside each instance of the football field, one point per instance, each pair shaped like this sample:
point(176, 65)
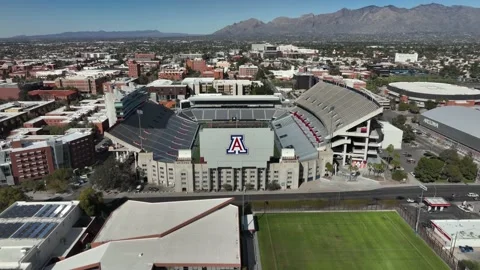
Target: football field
point(342, 240)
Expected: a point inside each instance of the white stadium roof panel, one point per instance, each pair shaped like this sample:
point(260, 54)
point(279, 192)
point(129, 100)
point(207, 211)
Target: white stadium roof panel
point(435, 88)
point(457, 117)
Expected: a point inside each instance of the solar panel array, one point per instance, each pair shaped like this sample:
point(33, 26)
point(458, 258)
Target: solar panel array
point(34, 230)
point(21, 211)
point(52, 211)
point(7, 229)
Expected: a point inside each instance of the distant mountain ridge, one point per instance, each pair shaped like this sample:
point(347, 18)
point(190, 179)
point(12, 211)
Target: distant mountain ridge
point(101, 35)
point(430, 18)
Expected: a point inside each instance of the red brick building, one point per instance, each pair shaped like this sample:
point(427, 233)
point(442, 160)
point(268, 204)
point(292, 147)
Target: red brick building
point(55, 94)
point(145, 56)
point(134, 69)
point(172, 73)
point(216, 73)
point(247, 71)
point(9, 91)
point(31, 163)
point(197, 64)
point(85, 85)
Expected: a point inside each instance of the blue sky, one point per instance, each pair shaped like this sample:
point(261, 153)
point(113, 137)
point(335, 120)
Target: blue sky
point(32, 17)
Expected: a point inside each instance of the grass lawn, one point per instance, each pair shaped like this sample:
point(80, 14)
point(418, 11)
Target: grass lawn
point(342, 240)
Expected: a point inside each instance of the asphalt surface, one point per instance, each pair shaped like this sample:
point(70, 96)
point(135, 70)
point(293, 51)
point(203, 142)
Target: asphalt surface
point(385, 193)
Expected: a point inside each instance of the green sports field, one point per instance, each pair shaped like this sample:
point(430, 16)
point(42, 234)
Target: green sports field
point(343, 240)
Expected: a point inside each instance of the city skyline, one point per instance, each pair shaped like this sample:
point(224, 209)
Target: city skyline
point(185, 16)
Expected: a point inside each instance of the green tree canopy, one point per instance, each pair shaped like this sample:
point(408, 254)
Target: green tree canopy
point(430, 104)
point(428, 169)
point(452, 173)
point(91, 201)
point(468, 168)
point(114, 175)
point(58, 181)
point(9, 195)
point(402, 106)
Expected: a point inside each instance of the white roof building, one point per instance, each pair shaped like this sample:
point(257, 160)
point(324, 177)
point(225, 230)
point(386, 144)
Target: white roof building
point(31, 232)
point(458, 232)
point(140, 235)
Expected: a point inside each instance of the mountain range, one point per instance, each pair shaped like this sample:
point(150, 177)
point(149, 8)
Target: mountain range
point(372, 20)
point(102, 35)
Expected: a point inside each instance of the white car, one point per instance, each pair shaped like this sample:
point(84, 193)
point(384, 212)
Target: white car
point(410, 200)
point(472, 195)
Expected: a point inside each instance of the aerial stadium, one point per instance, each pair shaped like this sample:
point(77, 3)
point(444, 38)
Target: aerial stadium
point(424, 91)
point(228, 142)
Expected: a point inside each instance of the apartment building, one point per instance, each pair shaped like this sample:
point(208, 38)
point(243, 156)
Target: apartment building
point(35, 156)
point(233, 87)
point(134, 69)
point(173, 73)
point(197, 64)
point(85, 85)
point(247, 71)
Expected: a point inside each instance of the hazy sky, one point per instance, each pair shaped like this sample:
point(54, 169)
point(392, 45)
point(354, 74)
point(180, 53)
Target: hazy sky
point(33, 17)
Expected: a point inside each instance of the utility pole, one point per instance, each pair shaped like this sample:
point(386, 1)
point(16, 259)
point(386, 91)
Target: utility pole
point(424, 188)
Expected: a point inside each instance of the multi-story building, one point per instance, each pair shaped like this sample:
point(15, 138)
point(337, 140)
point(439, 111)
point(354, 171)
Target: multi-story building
point(305, 81)
point(34, 233)
point(216, 74)
point(54, 94)
point(85, 85)
point(197, 64)
point(198, 85)
point(173, 73)
point(187, 235)
point(119, 83)
point(122, 102)
point(145, 56)
point(234, 87)
point(9, 91)
point(247, 71)
point(33, 157)
point(134, 69)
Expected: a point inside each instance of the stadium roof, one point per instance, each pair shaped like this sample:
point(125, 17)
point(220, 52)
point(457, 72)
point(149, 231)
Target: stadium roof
point(234, 98)
point(199, 114)
point(171, 234)
point(435, 88)
point(338, 107)
point(162, 132)
point(457, 117)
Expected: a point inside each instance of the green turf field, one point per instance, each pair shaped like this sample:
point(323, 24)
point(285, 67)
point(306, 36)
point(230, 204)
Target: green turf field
point(342, 240)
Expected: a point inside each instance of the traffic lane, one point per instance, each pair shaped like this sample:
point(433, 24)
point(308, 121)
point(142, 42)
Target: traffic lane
point(445, 191)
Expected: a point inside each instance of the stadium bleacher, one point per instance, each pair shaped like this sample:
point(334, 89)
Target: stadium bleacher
point(290, 135)
point(162, 132)
point(217, 114)
point(348, 105)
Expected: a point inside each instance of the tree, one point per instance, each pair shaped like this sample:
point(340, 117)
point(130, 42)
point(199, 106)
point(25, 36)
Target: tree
point(452, 173)
point(211, 89)
point(227, 187)
point(378, 168)
point(329, 167)
point(398, 175)
point(9, 195)
point(408, 134)
point(449, 156)
point(468, 168)
point(428, 169)
point(260, 75)
point(390, 149)
point(470, 265)
point(143, 79)
point(399, 121)
point(274, 185)
point(430, 104)
point(91, 201)
point(393, 104)
point(413, 107)
point(415, 119)
point(402, 106)
point(396, 161)
point(249, 186)
point(32, 185)
point(114, 175)
point(58, 181)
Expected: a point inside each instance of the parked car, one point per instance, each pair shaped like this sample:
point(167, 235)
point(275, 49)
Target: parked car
point(472, 195)
point(139, 188)
point(409, 200)
point(154, 189)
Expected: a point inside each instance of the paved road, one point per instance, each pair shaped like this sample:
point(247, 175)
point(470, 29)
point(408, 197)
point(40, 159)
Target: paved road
point(384, 193)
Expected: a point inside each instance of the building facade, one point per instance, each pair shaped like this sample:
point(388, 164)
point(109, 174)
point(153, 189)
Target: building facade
point(247, 71)
point(134, 69)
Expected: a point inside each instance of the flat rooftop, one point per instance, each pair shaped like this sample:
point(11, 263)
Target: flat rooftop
point(171, 234)
point(450, 115)
point(466, 228)
point(435, 88)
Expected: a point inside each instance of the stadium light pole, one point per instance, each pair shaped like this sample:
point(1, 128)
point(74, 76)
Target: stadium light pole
point(140, 112)
point(424, 188)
